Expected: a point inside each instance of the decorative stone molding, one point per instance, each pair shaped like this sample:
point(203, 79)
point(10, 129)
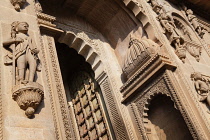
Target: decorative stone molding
point(28, 97)
point(18, 4)
point(45, 20)
point(202, 86)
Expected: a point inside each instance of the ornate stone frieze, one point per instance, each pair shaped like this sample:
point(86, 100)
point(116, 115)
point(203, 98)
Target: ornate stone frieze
point(22, 54)
point(18, 4)
point(139, 51)
point(201, 83)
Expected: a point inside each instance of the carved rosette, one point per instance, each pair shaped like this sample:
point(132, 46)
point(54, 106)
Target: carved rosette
point(18, 4)
point(28, 97)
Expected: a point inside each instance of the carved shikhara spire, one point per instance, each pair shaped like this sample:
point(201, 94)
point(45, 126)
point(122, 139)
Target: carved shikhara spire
point(18, 4)
point(139, 51)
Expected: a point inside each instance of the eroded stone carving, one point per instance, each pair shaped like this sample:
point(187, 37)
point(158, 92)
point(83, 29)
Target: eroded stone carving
point(194, 21)
point(139, 51)
point(38, 7)
point(202, 87)
point(18, 4)
point(23, 55)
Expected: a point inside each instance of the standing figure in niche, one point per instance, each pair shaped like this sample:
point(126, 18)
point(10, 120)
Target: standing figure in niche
point(24, 52)
point(194, 21)
point(202, 88)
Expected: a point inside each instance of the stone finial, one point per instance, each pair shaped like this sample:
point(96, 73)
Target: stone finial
point(18, 4)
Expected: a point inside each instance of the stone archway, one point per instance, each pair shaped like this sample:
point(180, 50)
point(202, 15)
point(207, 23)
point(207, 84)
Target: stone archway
point(84, 98)
point(92, 54)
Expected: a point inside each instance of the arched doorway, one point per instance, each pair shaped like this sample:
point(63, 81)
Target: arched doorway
point(165, 121)
point(84, 96)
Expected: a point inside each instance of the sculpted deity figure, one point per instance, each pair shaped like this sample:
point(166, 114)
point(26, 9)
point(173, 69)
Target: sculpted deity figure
point(24, 52)
point(194, 21)
point(202, 88)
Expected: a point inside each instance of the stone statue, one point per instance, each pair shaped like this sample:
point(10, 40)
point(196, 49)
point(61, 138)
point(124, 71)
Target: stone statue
point(171, 31)
point(17, 4)
point(26, 92)
point(24, 52)
point(202, 88)
point(194, 21)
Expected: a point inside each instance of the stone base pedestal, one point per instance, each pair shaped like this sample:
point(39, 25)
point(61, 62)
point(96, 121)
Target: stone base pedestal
point(28, 96)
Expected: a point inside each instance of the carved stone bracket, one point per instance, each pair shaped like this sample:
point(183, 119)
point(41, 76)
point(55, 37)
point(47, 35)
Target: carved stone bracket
point(18, 4)
point(28, 97)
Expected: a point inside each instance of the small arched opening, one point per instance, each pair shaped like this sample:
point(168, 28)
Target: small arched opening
point(165, 121)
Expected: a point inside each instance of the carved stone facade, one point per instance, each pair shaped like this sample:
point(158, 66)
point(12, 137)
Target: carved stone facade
point(104, 70)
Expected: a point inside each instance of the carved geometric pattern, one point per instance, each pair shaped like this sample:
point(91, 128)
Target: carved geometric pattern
point(59, 90)
point(140, 105)
point(116, 120)
point(87, 108)
point(49, 88)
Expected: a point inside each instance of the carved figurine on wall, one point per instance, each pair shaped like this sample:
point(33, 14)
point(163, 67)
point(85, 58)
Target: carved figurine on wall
point(170, 30)
point(26, 91)
point(24, 52)
point(202, 88)
point(194, 21)
point(17, 4)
